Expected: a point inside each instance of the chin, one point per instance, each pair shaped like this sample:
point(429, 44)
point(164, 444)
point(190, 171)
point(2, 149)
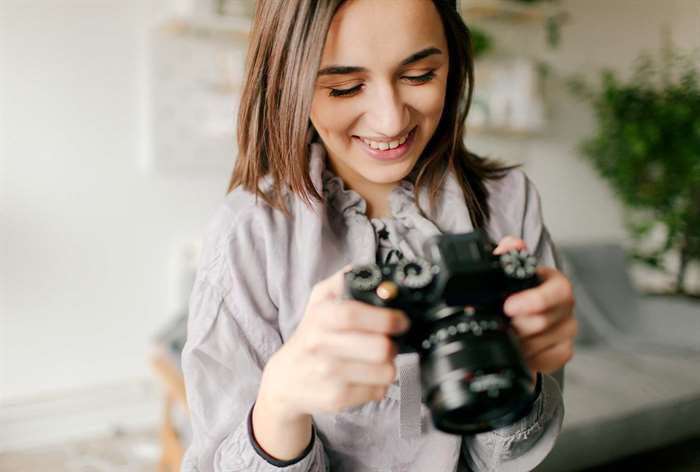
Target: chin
point(389, 174)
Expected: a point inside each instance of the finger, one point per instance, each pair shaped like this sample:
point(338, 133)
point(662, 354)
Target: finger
point(353, 372)
point(555, 290)
point(552, 359)
point(352, 315)
point(566, 329)
point(509, 243)
point(531, 325)
point(330, 288)
point(368, 347)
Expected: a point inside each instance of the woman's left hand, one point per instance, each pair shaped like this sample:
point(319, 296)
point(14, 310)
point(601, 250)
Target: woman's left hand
point(543, 316)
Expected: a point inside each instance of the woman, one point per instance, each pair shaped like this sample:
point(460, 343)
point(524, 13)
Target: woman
point(350, 140)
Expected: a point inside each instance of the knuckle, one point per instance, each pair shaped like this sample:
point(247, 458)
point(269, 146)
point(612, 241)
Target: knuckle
point(343, 316)
point(569, 355)
point(399, 319)
point(388, 374)
point(538, 323)
point(384, 349)
point(325, 367)
point(570, 350)
point(573, 327)
point(386, 321)
point(568, 291)
point(312, 344)
point(538, 302)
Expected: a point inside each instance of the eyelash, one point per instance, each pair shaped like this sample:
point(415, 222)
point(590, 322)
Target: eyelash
point(420, 79)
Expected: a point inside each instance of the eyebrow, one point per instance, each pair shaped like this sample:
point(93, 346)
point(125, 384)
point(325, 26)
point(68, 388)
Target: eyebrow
point(415, 57)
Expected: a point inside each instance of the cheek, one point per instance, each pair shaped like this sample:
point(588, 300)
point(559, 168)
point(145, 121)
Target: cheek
point(329, 120)
point(427, 102)
point(431, 103)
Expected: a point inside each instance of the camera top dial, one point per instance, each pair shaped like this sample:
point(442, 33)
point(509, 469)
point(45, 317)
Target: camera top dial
point(365, 277)
point(413, 274)
point(518, 264)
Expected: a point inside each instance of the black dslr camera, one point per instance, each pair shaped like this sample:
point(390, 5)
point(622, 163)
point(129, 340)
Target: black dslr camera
point(473, 374)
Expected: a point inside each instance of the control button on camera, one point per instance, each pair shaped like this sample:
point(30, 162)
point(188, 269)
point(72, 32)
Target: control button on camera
point(387, 290)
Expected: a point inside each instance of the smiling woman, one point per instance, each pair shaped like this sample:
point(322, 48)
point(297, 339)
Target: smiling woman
point(396, 93)
point(351, 121)
point(332, 68)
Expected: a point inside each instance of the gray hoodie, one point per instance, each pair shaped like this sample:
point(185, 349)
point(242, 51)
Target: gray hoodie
point(255, 275)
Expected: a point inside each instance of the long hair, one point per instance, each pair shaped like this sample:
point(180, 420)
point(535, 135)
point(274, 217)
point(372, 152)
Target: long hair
point(284, 56)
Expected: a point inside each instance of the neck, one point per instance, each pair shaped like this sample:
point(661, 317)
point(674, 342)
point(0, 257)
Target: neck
point(379, 208)
point(376, 195)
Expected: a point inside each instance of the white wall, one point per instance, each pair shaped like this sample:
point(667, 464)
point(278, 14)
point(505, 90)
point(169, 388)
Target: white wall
point(88, 237)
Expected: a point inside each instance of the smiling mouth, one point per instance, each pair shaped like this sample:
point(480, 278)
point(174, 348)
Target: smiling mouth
point(389, 154)
point(385, 145)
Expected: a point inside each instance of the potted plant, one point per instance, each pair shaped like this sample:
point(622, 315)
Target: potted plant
point(647, 147)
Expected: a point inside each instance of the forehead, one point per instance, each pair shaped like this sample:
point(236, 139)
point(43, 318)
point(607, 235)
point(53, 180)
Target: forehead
point(382, 32)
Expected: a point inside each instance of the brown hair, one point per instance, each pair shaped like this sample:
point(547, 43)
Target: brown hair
point(285, 51)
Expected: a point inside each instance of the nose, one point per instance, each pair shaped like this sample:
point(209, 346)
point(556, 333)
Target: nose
point(388, 112)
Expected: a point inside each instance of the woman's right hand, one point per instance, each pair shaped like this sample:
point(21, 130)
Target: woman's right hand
point(341, 354)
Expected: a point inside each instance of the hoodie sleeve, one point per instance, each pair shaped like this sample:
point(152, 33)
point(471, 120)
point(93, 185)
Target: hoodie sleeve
point(232, 331)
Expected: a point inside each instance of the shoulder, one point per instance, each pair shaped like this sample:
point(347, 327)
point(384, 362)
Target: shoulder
point(511, 188)
point(514, 204)
point(236, 236)
point(516, 210)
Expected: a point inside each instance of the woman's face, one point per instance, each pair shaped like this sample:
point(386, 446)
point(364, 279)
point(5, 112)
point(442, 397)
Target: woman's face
point(380, 90)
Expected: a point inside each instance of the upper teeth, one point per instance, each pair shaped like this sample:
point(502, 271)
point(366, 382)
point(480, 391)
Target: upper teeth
point(385, 146)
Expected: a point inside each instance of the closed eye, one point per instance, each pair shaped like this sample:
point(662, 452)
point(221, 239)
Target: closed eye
point(417, 79)
point(345, 92)
point(428, 76)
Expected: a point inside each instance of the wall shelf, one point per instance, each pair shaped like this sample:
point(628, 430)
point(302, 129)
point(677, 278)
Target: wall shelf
point(237, 29)
point(506, 10)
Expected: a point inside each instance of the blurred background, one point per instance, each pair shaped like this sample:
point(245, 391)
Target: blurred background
point(117, 123)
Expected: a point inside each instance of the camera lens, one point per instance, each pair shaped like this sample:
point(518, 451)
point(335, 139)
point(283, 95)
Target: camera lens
point(473, 376)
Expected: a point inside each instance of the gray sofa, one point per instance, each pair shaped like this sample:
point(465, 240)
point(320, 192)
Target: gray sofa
point(634, 381)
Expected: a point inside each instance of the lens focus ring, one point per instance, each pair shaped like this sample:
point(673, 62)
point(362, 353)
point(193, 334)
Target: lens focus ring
point(460, 327)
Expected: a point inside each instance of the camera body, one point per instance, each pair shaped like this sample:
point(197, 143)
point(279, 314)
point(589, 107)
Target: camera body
point(473, 374)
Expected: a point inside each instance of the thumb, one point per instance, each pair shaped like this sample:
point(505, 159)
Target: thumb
point(509, 243)
point(330, 288)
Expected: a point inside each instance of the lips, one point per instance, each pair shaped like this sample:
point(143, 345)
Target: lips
point(388, 154)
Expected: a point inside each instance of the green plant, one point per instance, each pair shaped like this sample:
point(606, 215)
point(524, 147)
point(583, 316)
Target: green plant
point(482, 42)
point(647, 147)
